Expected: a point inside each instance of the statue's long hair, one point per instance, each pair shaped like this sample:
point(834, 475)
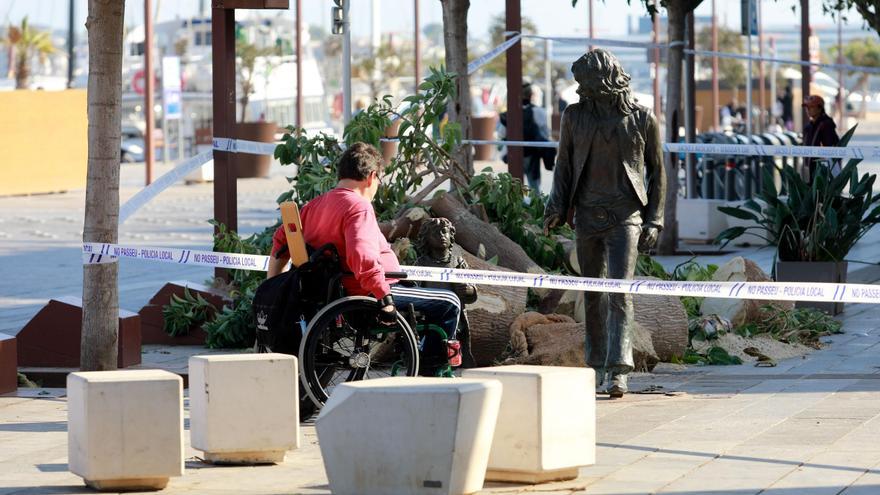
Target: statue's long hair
point(600, 68)
point(429, 227)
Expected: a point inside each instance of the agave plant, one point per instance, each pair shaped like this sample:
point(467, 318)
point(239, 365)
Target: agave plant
point(818, 222)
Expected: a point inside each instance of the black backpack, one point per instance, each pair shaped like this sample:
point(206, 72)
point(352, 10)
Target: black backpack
point(285, 303)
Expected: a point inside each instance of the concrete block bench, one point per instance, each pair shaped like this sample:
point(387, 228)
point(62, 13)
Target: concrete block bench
point(244, 408)
point(546, 426)
point(125, 428)
point(408, 435)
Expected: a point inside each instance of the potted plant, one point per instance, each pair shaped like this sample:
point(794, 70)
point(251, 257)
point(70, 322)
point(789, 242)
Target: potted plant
point(813, 227)
point(248, 165)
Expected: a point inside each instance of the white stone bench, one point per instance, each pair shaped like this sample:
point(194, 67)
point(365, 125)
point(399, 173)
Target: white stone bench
point(408, 435)
point(546, 427)
point(244, 408)
point(125, 428)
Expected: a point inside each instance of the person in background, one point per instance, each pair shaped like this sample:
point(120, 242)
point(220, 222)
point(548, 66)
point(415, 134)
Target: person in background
point(787, 100)
point(534, 129)
point(819, 131)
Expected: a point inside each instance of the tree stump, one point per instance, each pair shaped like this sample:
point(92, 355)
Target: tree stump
point(665, 318)
point(739, 311)
point(479, 237)
point(557, 340)
point(490, 317)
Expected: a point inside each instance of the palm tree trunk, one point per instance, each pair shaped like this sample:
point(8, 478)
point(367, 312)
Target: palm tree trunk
point(100, 327)
point(676, 20)
point(863, 84)
point(22, 69)
point(455, 38)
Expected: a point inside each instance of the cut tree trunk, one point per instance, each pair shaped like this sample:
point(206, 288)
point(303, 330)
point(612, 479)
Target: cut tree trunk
point(455, 38)
point(665, 319)
point(555, 340)
point(491, 316)
point(482, 238)
point(406, 225)
point(100, 325)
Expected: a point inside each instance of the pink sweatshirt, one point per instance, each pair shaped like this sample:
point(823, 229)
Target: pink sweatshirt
point(346, 220)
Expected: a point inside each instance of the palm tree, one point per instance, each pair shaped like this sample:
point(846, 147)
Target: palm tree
point(27, 42)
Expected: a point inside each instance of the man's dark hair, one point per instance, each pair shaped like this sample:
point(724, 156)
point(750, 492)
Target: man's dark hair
point(358, 161)
point(527, 93)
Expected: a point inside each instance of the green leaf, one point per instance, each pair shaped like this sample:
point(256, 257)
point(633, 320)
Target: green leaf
point(738, 212)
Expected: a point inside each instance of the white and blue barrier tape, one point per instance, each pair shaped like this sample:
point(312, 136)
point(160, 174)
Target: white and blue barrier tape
point(779, 291)
point(475, 64)
point(863, 152)
point(586, 40)
point(243, 146)
point(169, 178)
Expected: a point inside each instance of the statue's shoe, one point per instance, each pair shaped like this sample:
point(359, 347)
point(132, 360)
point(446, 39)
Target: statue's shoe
point(618, 386)
point(601, 377)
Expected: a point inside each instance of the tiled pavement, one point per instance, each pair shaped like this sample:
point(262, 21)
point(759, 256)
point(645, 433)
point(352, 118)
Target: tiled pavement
point(809, 426)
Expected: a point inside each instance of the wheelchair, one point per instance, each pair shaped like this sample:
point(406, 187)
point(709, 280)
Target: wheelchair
point(344, 341)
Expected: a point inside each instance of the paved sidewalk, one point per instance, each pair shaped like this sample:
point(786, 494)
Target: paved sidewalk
point(809, 426)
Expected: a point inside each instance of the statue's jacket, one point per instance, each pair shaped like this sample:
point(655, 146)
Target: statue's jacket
point(640, 150)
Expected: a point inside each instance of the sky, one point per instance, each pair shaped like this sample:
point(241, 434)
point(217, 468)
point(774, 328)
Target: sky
point(552, 17)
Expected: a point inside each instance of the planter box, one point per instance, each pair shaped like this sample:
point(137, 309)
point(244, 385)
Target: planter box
point(814, 271)
point(747, 238)
point(52, 338)
point(699, 219)
point(484, 130)
point(8, 366)
point(153, 321)
point(248, 165)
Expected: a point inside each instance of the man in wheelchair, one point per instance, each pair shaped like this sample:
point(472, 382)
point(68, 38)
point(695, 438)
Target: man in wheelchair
point(344, 217)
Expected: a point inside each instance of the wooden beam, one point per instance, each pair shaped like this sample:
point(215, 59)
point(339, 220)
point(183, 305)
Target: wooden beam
point(223, 51)
point(250, 4)
point(513, 16)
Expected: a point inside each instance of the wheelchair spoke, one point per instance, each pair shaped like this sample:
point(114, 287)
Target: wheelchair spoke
point(346, 344)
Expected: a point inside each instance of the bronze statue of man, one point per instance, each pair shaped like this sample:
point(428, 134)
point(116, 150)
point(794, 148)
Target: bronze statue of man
point(609, 170)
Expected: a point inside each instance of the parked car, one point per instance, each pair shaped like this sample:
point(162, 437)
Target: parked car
point(132, 146)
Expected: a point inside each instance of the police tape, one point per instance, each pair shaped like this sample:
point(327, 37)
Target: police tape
point(779, 291)
point(475, 65)
point(858, 152)
point(166, 180)
point(243, 146)
point(586, 40)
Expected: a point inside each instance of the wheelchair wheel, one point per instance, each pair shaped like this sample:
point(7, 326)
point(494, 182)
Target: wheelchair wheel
point(344, 342)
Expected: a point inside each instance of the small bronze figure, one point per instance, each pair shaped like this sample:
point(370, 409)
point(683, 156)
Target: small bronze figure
point(435, 247)
point(609, 170)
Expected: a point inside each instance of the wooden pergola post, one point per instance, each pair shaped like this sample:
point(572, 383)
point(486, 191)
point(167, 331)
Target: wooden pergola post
point(223, 62)
point(513, 17)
